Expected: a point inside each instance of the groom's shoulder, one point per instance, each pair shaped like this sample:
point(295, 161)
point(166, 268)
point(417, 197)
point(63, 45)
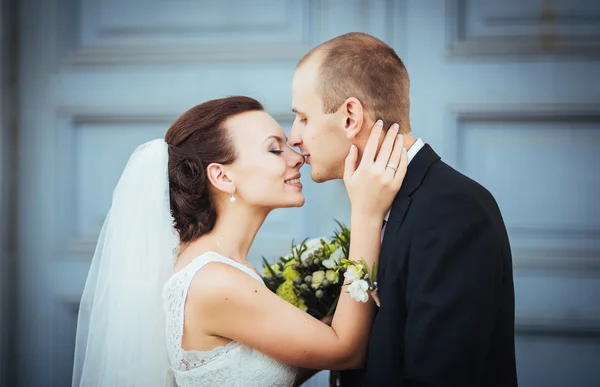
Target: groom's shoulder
point(444, 181)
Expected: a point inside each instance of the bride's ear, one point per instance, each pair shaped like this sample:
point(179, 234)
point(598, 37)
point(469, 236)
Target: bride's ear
point(353, 114)
point(217, 176)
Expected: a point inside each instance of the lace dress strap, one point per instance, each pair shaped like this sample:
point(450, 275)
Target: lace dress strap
point(199, 262)
point(174, 298)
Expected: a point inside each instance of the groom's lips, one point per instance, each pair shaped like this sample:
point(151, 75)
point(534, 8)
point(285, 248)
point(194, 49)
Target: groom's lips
point(307, 159)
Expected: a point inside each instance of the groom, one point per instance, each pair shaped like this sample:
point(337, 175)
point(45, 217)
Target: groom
point(445, 272)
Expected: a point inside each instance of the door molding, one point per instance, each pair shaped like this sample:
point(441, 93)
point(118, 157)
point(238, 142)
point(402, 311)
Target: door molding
point(8, 178)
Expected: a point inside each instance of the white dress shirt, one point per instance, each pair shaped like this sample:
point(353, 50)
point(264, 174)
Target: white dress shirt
point(411, 152)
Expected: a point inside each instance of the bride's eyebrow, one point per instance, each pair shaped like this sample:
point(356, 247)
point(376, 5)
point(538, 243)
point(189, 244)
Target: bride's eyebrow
point(279, 139)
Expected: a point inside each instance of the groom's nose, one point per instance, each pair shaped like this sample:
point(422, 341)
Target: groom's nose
point(295, 137)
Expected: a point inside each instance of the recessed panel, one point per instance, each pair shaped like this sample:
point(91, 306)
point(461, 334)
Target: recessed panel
point(541, 173)
point(156, 22)
point(558, 361)
point(516, 27)
point(102, 151)
point(64, 325)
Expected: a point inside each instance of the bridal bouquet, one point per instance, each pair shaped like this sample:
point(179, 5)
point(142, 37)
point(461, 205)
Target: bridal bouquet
point(311, 276)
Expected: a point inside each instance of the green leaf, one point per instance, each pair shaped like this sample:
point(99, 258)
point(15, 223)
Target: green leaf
point(301, 248)
point(365, 266)
point(374, 273)
point(269, 267)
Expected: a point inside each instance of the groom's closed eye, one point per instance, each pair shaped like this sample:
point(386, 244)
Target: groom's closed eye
point(301, 117)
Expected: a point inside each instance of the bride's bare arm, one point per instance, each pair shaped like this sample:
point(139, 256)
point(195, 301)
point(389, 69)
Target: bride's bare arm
point(243, 310)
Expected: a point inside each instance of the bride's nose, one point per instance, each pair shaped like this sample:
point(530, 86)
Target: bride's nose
point(296, 160)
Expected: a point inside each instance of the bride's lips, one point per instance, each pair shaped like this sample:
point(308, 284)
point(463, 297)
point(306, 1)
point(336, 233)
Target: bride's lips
point(294, 181)
point(307, 159)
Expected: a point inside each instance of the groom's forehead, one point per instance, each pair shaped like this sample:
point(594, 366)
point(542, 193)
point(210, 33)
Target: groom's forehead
point(305, 96)
point(303, 103)
point(300, 102)
point(307, 73)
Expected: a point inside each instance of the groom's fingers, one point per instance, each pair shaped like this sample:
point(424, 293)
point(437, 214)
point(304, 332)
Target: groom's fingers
point(372, 144)
point(401, 171)
point(350, 164)
point(385, 152)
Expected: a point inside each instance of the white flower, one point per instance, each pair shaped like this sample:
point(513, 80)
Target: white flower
point(330, 276)
point(312, 245)
point(317, 279)
point(337, 255)
point(334, 259)
point(353, 273)
point(358, 290)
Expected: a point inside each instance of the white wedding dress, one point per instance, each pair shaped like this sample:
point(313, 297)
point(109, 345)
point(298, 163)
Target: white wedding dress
point(230, 365)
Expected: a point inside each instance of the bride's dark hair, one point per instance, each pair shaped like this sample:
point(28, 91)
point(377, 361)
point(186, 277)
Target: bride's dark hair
point(196, 139)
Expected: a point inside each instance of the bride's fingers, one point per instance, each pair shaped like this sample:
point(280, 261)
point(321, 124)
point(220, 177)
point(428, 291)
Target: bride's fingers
point(372, 143)
point(383, 156)
point(401, 171)
point(350, 164)
point(392, 165)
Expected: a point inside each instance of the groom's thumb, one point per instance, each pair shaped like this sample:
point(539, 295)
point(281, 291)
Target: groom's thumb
point(350, 165)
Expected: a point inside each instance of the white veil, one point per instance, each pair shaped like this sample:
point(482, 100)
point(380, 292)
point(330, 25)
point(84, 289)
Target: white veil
point(121, 340)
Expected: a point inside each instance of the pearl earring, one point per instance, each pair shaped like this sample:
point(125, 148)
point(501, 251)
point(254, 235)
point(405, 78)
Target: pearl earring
point(232, 198)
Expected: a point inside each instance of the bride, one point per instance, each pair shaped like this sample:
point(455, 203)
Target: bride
point(171, 296)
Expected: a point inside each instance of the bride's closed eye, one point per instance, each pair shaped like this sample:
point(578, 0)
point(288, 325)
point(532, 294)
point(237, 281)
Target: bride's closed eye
point(276, 151)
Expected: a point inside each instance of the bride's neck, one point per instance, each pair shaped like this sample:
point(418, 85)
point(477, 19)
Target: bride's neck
point(236, 229)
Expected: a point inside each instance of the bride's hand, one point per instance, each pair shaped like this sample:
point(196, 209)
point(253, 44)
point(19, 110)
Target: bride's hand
point(373, 185)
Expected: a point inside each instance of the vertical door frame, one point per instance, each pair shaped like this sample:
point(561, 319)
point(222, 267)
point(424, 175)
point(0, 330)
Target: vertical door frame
point(8, 188)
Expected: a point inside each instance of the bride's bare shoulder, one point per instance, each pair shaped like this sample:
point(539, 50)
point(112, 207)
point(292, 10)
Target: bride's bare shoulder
point(217, 282)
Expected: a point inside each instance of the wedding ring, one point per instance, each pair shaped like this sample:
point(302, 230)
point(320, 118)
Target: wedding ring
point(391, 166)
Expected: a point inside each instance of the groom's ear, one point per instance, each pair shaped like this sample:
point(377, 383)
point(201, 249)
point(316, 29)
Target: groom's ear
point(353, 113)
point(216, 175)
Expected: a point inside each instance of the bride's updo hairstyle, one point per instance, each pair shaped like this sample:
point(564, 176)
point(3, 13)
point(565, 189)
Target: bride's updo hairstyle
point(196, 139)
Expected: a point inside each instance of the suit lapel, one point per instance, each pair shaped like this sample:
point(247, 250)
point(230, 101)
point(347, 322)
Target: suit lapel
point(416, 172)
point(399, 209)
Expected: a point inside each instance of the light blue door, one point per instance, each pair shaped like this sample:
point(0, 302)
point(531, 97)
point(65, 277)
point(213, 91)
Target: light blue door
point(509, 93)
point(502, 93)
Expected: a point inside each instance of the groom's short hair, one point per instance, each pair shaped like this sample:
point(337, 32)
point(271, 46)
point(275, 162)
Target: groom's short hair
point(360, 65)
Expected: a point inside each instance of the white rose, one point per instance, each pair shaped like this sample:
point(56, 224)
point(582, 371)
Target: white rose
point(312, 245)
point(358, 290)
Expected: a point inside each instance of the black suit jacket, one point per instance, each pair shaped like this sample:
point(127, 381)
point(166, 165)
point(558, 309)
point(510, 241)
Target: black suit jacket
point(445, 286)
